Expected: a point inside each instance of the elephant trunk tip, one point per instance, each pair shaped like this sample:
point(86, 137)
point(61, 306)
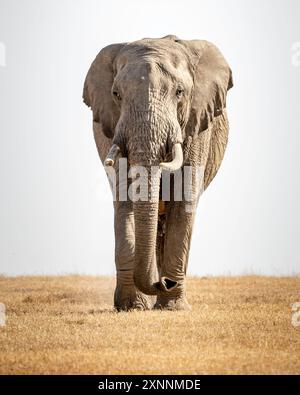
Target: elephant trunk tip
point(165, 285)
point(168, 283)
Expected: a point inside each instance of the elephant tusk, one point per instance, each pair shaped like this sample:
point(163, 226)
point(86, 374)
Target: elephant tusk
point(177, 159)
point(112, 155)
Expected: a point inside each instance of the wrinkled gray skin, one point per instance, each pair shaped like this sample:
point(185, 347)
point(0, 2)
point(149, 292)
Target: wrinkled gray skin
point(146, 96)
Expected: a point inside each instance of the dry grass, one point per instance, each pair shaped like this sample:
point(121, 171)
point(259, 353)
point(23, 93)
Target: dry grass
point(67, 325)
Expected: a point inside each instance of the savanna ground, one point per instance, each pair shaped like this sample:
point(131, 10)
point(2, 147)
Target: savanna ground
point(67, 325)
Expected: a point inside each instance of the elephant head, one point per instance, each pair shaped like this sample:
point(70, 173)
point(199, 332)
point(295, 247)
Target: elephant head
point(148, 97)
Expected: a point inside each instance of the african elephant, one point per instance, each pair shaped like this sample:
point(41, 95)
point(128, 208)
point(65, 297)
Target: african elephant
point(158, 103)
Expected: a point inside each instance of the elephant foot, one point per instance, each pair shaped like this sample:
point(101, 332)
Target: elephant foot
point(128, 298)
point(172, 303)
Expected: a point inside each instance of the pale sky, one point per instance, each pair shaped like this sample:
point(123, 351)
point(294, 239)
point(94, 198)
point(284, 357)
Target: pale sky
point(55, 204)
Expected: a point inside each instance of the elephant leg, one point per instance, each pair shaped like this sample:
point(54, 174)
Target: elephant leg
point(179, 226)
point(160, 242)
point(126, 295)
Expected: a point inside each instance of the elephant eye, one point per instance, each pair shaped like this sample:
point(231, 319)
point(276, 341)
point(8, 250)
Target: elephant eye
point(117, 95)
point(179, 92)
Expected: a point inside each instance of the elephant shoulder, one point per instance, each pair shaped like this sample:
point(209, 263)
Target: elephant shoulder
point(218, 143)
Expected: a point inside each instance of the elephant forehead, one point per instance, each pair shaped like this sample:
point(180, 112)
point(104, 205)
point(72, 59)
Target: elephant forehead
point(152, 68)
point(165, 52)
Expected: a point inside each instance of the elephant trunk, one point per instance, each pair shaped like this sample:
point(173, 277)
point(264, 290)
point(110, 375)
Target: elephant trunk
point(141, 152)
point(146, 221)
point(146, 218)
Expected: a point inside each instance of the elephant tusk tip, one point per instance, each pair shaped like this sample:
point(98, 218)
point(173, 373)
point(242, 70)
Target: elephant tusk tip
point(112, 155)
point(109, 162)
point(162, 166)
point(170, 166)
point(177, 161)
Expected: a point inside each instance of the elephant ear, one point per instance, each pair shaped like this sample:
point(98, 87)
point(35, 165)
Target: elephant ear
point(212, 80)
point(97, 89)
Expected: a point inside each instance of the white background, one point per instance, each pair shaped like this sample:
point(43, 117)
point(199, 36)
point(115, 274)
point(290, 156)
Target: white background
point(56, 210)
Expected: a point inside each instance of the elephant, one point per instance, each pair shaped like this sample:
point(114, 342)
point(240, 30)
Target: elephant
point(158, 103)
